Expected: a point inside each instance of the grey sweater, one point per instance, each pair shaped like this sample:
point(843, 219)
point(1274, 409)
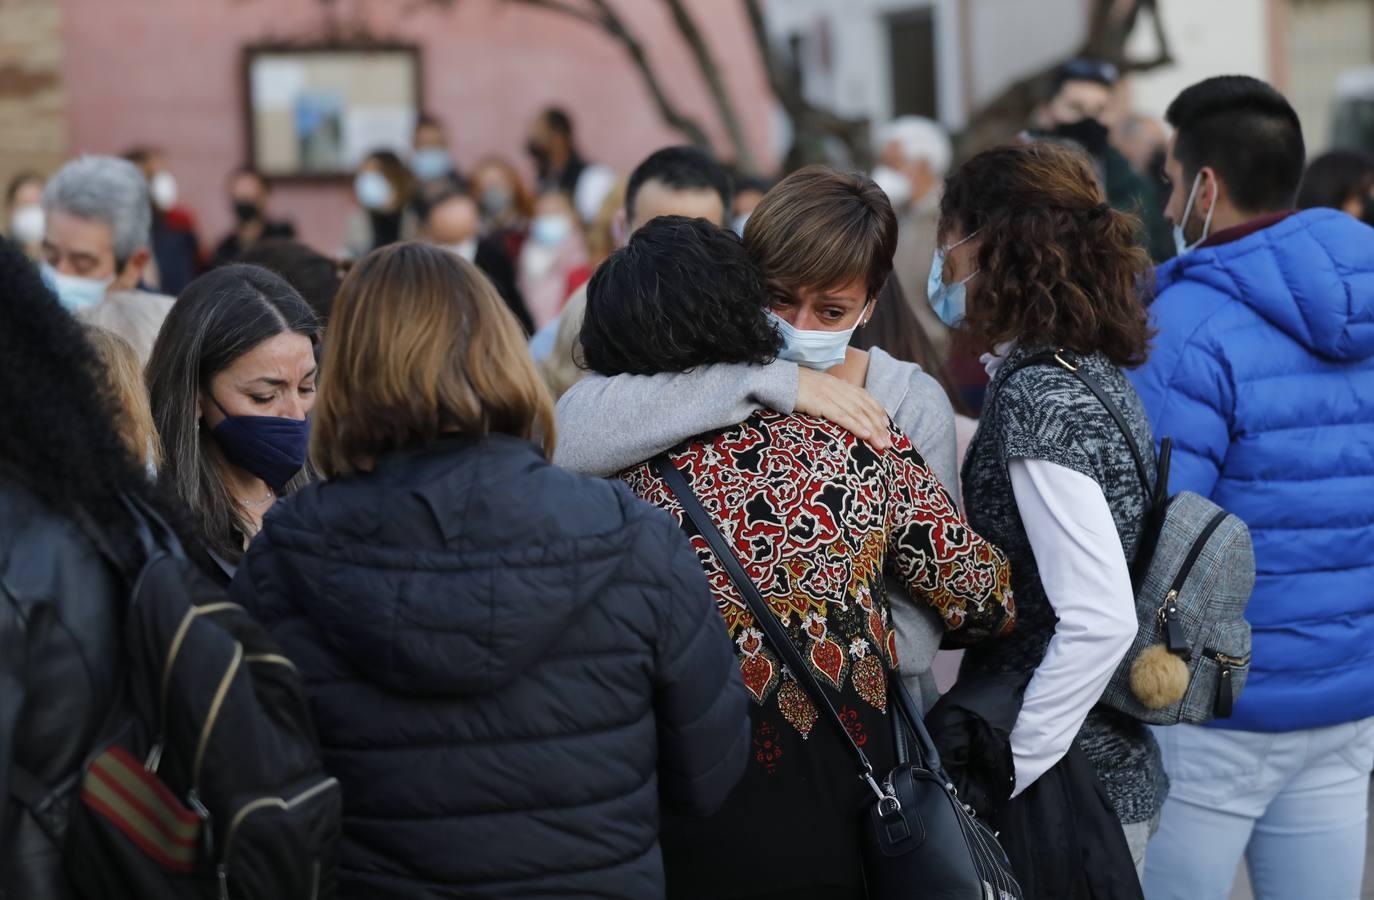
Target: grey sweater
point(606, 425)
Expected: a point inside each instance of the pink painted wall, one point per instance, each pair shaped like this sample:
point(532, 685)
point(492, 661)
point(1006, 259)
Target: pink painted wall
point(169, 74)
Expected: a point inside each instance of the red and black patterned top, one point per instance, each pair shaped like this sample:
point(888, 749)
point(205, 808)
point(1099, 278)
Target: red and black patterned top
point(816, 517)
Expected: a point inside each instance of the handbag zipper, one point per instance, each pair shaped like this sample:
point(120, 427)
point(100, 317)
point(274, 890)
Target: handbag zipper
point(1168, 615)
point(222, 870)
point(1224, 702)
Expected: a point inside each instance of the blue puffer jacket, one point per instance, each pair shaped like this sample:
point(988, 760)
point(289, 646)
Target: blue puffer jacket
point(510, 668)
point(1263, 374)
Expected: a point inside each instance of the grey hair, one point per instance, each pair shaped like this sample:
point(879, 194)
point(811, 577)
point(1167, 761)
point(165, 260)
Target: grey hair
point(109, 190)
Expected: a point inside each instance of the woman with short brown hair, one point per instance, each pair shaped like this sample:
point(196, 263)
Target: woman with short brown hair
point(1035, 267)
point(824, 241)
point(514, 669)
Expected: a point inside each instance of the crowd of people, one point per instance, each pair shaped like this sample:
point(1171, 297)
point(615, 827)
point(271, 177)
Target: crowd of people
point(522, 482)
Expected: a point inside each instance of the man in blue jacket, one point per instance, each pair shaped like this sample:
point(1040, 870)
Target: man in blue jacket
point(1263, 374)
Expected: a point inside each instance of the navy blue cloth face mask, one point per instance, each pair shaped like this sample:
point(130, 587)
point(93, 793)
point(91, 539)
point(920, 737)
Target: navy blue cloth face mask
point(270, 447)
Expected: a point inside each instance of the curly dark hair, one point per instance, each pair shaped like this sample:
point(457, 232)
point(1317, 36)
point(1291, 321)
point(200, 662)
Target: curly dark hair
point(1057, 266)
point(59, 439)
point(682, 294)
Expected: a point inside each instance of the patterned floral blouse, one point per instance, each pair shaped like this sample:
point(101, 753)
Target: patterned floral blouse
point(816, 516)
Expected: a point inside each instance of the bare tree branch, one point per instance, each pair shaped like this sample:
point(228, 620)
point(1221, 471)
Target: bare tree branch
point(811, 125)
point(1111, 24)
point(710, 73)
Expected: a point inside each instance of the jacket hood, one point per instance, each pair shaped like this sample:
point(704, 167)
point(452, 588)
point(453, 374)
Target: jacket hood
point(1311, 275)
point(450, 570)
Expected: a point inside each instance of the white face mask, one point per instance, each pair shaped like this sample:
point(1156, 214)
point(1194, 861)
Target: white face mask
point(1180, 239)
point(75, 292)
point(895, 184)
point(466, 249)
point(163, 189)
point(372, 190)
point(819, 350)
point(737, 226)
point(27, 224)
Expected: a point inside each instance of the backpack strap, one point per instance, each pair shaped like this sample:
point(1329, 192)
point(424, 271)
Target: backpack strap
point(672, 476)
point(1062, 359)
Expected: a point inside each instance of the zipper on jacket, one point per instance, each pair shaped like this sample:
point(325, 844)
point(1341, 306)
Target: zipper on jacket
point(263, 803)
point(1174, 638)
point(173, 651)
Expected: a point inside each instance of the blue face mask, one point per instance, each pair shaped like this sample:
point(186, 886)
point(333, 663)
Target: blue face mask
point(819, 350)
point(75, 293)
point(947, 300)
point(271, 447)
point(430, 163)
point(1181, 245)
point(550, 230)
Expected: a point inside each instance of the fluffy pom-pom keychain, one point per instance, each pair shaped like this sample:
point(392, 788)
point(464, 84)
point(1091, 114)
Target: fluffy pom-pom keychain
point(1159, 678)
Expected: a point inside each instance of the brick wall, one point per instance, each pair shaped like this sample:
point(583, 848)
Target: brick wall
point(33, 103)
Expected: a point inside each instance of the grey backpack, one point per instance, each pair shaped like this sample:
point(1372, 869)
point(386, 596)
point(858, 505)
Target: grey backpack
point(1193, 573)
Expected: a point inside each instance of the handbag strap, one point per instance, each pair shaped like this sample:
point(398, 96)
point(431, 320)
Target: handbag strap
point(672, 476)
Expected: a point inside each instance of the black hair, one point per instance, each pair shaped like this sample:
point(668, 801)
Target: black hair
point(754, 183)
point(314, 275)
point(1335, 177)
point(59, 440)
point(557, 119)
point(681, 169)
point(1247, 132)
point(428, 120)
point(219, 317)
point(683, 293)
point(1096, 71)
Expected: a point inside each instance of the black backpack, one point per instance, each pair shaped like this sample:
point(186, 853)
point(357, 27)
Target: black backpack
point(205, 780)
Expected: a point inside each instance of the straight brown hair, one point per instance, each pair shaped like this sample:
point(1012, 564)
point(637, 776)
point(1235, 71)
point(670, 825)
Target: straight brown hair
point(822, 229)
point(421, 344)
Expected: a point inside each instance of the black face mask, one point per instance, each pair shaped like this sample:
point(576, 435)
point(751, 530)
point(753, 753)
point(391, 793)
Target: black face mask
point(245, 212)
point(538, 153)
point(1090, 134)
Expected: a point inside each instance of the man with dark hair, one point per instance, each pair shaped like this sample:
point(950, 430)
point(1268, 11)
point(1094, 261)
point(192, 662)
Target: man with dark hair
point(673, 181)
point(1262, 374)
point(1078, 109)
point(554, 150)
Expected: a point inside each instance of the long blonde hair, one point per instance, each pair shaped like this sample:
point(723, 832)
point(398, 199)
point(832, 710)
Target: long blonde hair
point(128, 394)
point(420, 344)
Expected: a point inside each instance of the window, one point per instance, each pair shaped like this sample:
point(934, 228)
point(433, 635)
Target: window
point(911, 46)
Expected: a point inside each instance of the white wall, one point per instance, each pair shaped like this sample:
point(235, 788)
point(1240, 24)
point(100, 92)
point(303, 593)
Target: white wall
point(1007, 39)
point(1207, 37)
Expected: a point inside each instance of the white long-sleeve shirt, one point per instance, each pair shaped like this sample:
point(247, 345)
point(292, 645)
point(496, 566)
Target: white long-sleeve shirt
point(1087, 581)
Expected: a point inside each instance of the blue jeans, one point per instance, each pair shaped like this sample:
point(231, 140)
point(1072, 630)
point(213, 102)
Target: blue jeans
point(1294, 804)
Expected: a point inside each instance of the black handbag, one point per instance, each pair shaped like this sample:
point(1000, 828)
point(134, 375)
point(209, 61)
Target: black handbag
point(919, 841)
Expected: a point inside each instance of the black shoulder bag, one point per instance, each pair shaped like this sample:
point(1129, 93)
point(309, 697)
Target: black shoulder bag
point(918, 839)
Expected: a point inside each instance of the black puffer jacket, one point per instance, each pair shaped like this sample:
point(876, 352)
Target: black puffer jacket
point(509, 666)
point(60, 655)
